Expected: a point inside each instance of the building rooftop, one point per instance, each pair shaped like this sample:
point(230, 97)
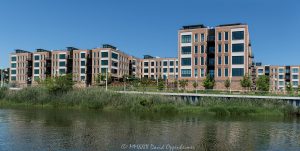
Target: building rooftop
point(42, 50)
point(21, 51)
point(193, 26)
point(233, 24)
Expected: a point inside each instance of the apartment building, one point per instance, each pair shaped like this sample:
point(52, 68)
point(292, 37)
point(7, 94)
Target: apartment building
point(80, 66)
point(155, 67)
point(223, 52)
point(280, 76)
point(109, 60)
point(21, 67)
point(41, 65)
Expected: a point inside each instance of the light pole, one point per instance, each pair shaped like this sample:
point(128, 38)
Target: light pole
point(106, 79)
point(196, 84)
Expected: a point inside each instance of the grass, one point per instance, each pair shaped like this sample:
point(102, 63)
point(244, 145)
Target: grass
point(99, 99)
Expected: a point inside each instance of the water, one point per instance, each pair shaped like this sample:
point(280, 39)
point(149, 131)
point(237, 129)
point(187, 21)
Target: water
point(87, 130)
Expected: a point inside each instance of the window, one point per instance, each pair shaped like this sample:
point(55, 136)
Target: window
point(219, 48)
point(36, 64)
point(146, 64)
point(103, 70)
point(280, 76)
point(281, 83)
point(202, 60)
point(226, 59)
point(165, 70)
point(114, 63)
point(13, 71)
point(219, 60)
point(295, 76)
point(186, 39)
point(115, 56)
point(104, 54)
point(295, 70)
point(185, 61)
point(13, 65)
point(196, 72)
point(82, 78)
point(196, 49)
point(152, 63)
point(202, 48)
point(13, 58)
point(171, 70)
point(237, 72)
point(171, 63)
point(82, 70)
point(36, 57)
point(238, 47)
point(238, 35)
point(82, 63)
point(62, 71)
point(281, 70)
point(226, 72)
point(226, 47)
point(62, 56)
point(295, 83)
point(36, 71)
point(260, 71)
point(186, 50)
point(220, 36)
point(176, 70)
point(82, 55)
point(202, 73)
point(165, 63)
point(226, 35)
point(219, 72)
point(104, 62)
point(13, 78)
point(145, 70)
point(202, 37)
point(62, 63)
point(185, 72)
point(196, 60)
point(237, 59)
point(196, 37)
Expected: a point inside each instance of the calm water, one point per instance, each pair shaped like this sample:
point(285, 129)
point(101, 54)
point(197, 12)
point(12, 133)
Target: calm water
point(73, 130)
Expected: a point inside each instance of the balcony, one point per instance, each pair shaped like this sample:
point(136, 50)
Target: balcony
point(211, 50)
point(211, 38)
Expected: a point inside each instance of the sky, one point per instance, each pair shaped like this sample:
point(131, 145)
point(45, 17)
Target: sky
point(140, 27)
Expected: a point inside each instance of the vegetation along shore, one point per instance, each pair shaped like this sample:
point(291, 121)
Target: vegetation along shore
point(57, 93)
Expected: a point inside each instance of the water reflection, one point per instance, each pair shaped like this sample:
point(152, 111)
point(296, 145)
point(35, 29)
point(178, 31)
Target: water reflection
point(88, 130)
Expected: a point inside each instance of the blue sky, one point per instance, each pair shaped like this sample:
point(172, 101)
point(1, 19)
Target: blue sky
point(141, 27)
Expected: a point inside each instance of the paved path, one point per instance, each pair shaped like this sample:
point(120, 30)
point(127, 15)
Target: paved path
point(213, 95)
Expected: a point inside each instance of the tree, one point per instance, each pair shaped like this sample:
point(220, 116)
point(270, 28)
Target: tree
point(263, 83)
point(195, 85)
point(183, 83)
point(161, 85)
point(208, 83)
point(101, 78)
point(227, 83)
point(245, 82)
point(289, 88)
point(59, 84)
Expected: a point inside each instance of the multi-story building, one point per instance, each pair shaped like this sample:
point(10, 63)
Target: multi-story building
point(155, 67)
point(223, 52)
point(41, 61)
point(280, 76)
point(21, 67)
point(109, 60)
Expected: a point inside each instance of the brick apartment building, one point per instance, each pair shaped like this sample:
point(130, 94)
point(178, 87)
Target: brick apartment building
point(223, 52)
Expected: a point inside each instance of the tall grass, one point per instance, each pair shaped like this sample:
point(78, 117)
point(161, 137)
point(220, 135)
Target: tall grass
point(98, 99)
